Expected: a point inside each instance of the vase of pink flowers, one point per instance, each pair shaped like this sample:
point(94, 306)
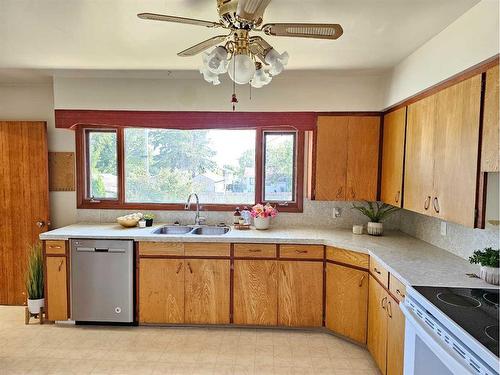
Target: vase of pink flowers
point(262, 215)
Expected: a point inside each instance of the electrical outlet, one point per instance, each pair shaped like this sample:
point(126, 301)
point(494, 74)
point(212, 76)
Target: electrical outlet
point(336, 212)
point(443, 228)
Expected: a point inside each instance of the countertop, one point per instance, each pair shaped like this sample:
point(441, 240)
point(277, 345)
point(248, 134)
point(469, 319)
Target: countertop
point(413, 261)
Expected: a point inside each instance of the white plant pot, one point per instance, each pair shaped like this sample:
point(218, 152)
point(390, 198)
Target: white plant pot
point(490, 274)
point(375, 229)
point(34, 305)
point(262, 223)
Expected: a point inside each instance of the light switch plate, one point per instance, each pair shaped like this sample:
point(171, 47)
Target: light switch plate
point(443, 228)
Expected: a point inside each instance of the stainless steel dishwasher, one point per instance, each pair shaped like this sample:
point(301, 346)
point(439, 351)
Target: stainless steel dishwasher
point(102, 281)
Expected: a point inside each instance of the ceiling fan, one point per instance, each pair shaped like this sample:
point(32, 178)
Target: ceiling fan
point(238, 52)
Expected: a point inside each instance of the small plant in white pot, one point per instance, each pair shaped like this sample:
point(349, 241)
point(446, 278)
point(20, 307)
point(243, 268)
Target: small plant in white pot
point(262, 215)
point(34, 279)
point(489, 261)
point(376, 212)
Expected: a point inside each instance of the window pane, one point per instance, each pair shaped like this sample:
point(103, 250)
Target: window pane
point(103, 180)
point(164, 165)
point(279, 166)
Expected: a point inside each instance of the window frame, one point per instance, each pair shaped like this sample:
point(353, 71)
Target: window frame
point(84, 202)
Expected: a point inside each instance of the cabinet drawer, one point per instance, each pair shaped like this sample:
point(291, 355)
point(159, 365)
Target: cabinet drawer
point(161, 248)
point(302, 251)
point(201, 249)
point(397, 288)
point(250, 250)
point(55, 247)
point(379, 272)
point(352, 258)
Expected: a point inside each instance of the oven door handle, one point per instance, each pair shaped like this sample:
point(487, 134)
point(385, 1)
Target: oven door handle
point(447, 355)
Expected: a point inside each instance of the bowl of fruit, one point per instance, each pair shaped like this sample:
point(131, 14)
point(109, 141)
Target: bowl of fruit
point(129, 221)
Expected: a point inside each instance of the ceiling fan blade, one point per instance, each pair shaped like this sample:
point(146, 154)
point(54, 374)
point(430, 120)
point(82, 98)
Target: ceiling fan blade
point(304, 30)
point(189, 21)
point(200, 47)
point(252, 10)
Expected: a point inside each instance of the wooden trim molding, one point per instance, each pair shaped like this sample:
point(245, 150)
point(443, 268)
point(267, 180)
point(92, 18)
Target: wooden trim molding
point(479, 68)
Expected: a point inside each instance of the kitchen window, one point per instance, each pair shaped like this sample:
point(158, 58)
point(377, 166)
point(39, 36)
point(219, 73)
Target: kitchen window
point(157, 168)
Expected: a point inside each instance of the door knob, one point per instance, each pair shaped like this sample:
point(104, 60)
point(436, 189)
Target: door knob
point(40, 224)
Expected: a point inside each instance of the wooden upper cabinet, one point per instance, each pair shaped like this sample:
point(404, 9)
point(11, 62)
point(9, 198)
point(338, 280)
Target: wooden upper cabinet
point(346, 158)
point(255, 292)
point(161, 290)
point(331, 158)
point(395, 338)
point(347, 301)
point(362, 158)
point(377, 323)
point(207, 291)
point(491, 123)
point(419, 159)
point(391, 188)
point(300, 294)
point(56, 291)
point(456, 152)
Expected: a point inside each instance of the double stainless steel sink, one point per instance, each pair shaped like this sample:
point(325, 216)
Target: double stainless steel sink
point(205, 230)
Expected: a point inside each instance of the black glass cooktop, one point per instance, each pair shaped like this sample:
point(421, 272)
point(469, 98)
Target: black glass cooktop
point(475, 310)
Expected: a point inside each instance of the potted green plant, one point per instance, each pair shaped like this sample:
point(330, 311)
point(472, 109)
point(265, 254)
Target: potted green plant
point(34, 279)
point(489, 261)
point(376, 212)
point(149, 219)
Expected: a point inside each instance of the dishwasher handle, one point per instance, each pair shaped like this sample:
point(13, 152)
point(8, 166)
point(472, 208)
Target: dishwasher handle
point(99, 250)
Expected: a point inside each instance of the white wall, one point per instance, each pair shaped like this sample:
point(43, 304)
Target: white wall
point(472, 38)
point(291, 91)
point(36, 102)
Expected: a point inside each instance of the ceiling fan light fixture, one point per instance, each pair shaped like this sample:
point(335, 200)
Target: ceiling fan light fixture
point(276, 61)
point(216, 61)
point(209, 76)
point(261, 77)
point(241, 69)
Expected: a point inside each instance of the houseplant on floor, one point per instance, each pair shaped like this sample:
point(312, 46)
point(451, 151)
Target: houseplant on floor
point(34, 279)
point(376, 212)
point(489, 261)
point(262, 215)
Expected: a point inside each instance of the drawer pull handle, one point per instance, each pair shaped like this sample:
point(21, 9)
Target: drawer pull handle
point(435, 204)
point(55, 247)
point(178, 268)
point(190, 269)
point(399, 293)
point(427, 202)
point(301, 251)
point(361, 281)
point(61, 264)
point(389, 309)
point(377, 271)
point(255, 250)
point(383, 302)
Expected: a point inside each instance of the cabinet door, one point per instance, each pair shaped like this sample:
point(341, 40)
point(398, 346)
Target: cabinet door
point(331, 158)
point(456, 152)
point(491, 123)
point(377, 323)
point(347, 301)
point(393, 157)
point(255, 292)
point(419, 159)
point(57, 292)
point(362, 158)
point(207, 291)
point(300, 294)
point(161, 290)
point(395, 338)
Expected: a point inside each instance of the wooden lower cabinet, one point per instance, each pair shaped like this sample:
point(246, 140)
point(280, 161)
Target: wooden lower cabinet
point(255, 292)
point(386, 330)
point(56, 287)
point(207, 290)
point(395, 339)
point(161, 290)
point(347, 301)
point(300, 293)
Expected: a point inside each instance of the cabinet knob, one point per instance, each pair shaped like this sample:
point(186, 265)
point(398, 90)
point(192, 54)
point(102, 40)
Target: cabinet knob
point(40, 224)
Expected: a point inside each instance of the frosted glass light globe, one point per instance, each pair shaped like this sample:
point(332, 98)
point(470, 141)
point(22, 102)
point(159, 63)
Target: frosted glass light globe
point(241, 69)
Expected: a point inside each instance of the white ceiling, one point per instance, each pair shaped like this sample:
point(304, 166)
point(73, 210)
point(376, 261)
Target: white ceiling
point(107, 35)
